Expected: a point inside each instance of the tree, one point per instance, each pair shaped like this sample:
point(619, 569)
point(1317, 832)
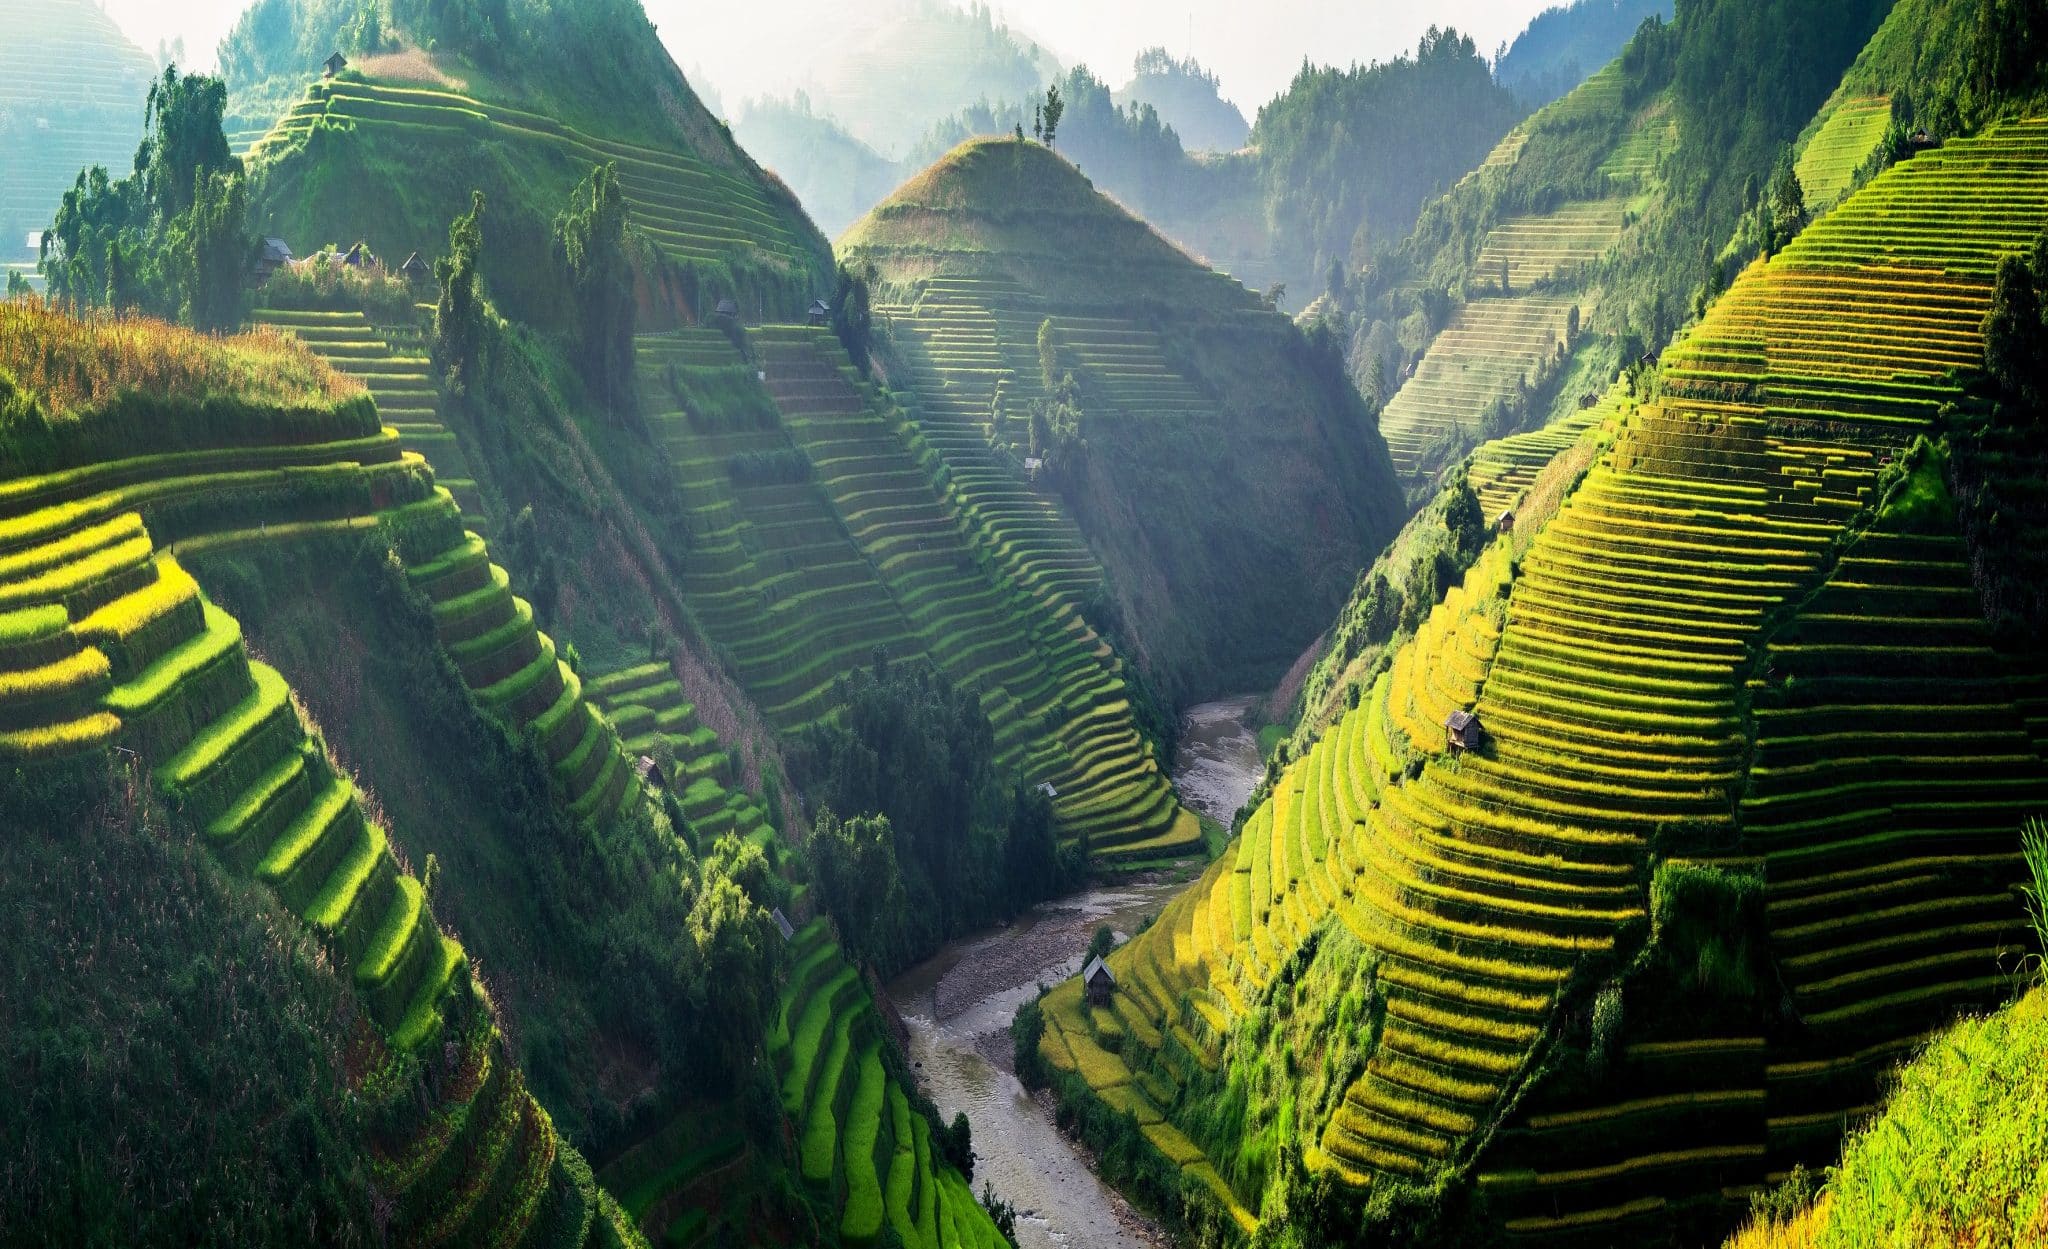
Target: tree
point(2015, 339)
point(211, 248)
point(861, 882)
point(172, 238)
point(1101, 943)
point(590, 242)
point(729, 932)
point(458, 315)
point(1787, 208)
point(853, 317)
point(1054, 108)
point(959, 1145)
point(187, 141)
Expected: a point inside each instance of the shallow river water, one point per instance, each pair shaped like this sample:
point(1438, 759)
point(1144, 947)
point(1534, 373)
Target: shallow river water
point(958, 1007)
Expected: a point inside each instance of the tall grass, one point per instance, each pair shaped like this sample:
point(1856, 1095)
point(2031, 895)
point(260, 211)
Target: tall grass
point(71, 363)
point(2034, 847)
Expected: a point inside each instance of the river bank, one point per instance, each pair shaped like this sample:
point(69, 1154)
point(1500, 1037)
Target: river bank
point(958, 1005)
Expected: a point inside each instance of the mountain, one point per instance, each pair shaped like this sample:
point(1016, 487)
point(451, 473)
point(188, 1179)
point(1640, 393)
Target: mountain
point(836, 176)
point(1001, 271)
point(260, 897)
point(1565, 45)
point(1657, 929)
point(71, 97)
point(1187, 98)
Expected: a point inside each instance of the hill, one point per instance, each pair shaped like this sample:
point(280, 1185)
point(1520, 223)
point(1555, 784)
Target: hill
point(1187, 98)
point(1949, 1160)
point(836, 176)
point(1565, 45)
point(125, 441)
point(71, 97)
point(413, 135)
point(1659, 934)
point(1001, 272)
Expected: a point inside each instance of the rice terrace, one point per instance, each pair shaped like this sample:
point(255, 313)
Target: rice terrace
point(1415, 626)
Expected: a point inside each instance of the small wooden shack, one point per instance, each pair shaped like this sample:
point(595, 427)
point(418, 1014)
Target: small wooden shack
point(335, 64)
point(1464, 730)
point(728, 309)
point(650, 772)
point(414, 269)
point(275, 254)
point(1506, 524)
point(782, 924)
point(1099, 981)
point(820, 312)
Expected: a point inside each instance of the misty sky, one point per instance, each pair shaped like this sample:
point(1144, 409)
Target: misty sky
point(745, 49)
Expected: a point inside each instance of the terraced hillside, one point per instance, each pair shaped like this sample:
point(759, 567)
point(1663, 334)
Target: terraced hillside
point(858, 1138)
point(71, 96)
point(1755, 547)
point(1492, 350)
point(646, 707)
point(391, 363)
point(1831, 157)
point(817, 536)
point(721, 222)
point(1173, 363)
point(107, 643)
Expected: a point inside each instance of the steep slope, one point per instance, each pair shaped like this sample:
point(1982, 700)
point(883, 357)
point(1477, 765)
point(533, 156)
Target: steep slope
point(1002, 247)
point(111, 646)
point(1952, 1158)
point(71, 97)
point(819, 529)
point(1564, 190)
point(1685, 795)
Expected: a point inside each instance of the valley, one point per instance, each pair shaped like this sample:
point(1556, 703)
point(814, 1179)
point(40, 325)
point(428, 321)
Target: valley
point(588, 662)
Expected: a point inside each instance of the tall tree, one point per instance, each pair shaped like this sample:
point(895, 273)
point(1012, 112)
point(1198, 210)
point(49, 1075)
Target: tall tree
point(459, 313)
point(211, 248)
point(2015, 335)
point(590, 241)
point(1055, 108)
point(186, 140)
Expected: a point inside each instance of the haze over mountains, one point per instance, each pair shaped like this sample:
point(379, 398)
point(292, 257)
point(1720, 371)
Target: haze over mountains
point(577, 675)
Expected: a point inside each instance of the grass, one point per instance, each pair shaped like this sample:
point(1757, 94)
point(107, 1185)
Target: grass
point(818, 1147)
point(74, 364)
point(861, 1220)
point(1955, 1156)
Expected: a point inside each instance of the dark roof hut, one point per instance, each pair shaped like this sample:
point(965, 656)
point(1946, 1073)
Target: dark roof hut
point(414, 269)
point(1465, 731)
point(820, 312)
point(727, 308)
point(1099, 980)
point(335, 64)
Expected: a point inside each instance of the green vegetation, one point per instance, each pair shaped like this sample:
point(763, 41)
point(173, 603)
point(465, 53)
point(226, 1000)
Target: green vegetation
point(413, 1061)
point(172, 238)
point(1951, 1160)
point(860, 1116)
point(1660, 933)
point(948, 847)
point(1173, 364)
point(72, 88)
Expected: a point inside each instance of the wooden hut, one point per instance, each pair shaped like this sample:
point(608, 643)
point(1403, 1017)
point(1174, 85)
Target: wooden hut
point(1099, 981)
point(1464, 730)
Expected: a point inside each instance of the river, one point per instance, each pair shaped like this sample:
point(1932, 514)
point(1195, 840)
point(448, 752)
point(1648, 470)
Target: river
point(958, 1006)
